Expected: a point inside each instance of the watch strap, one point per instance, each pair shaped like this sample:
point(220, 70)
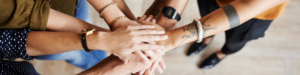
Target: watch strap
point(177, 15)
point(84, 44)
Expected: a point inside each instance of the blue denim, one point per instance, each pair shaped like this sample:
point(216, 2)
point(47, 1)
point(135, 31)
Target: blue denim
point(79, 58)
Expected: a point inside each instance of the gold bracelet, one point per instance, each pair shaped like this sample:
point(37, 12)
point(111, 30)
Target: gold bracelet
point(115, 20)
point(107, 7)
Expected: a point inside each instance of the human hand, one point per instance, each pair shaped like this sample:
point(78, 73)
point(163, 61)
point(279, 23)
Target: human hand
point(112, 65)
point(168, 43)
point(125, 41)
point(160, 61)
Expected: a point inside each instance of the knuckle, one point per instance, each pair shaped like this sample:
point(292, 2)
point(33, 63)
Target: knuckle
point(133, 46)
point(128, 27)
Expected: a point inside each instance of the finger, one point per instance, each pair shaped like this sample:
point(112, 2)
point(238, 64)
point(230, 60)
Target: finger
point(142, 72)
point(153, 21)
point(159, 69)
point(149, 18)
point(125, 61)
point(141, 57)
point(149, 38)
point(154, 65)
point(145, 32)
point(150, 54)
point(138, 18)
point(162, 63)
point(148, 47)
point(140, 27)
point(148, 72)
point(143, 18)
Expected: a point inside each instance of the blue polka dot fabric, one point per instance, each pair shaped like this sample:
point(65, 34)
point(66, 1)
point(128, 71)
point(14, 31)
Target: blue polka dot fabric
point(17, 68)
point(13, 46)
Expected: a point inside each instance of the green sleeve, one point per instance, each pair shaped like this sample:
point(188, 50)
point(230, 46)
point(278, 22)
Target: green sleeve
point(17, 14)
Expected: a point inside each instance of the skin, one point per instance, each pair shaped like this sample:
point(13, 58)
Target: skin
point(217, 21)
point(156, 7)
point(114, 66)
point(68, 38)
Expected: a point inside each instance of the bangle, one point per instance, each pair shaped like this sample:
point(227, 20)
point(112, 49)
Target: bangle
point(115, 20)
point(200, 30)
point(107, 7)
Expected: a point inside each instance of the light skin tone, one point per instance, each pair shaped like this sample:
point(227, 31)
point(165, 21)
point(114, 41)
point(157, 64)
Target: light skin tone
point(217, 21)
point(39, 42)
point(246, 10)
point(156, 7)
point(113, 12)
point(112, 65)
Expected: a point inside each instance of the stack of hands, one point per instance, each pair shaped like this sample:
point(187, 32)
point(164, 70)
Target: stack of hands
point(139, 53)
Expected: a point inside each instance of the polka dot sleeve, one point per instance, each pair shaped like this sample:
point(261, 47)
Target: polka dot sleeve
point(13, 44)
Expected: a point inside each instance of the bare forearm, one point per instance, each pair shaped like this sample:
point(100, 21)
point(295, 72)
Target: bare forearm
point(111, 13)
point(124, 8)
point(45, 43)
point(218, 21)
point(58, 21)
point(157, 6)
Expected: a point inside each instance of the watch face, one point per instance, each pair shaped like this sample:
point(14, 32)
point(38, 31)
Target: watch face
point(170, 12)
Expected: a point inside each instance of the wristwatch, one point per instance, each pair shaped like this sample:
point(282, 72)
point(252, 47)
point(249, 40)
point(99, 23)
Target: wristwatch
point(84, 34)
point(171, 13)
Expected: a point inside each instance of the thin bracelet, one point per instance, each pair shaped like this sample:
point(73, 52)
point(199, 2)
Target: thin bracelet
point(107, 7)
point(115, 20)
point(200, 30)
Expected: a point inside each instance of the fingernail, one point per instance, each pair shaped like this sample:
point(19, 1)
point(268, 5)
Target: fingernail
point(140, 73)
point(165, 36)
point(158, 51)
point(162, 46)
point(162, 31)
point(163, 53)
point(160, 72)
point(144, 16)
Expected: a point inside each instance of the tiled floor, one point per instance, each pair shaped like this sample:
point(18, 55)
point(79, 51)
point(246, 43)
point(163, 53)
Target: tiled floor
point(278, 53)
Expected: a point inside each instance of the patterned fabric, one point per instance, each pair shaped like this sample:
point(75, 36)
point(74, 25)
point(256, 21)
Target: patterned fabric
point(16, 68)
point(13, 46)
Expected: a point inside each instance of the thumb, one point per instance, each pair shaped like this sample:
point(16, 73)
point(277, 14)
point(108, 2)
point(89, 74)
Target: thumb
point(125, 61)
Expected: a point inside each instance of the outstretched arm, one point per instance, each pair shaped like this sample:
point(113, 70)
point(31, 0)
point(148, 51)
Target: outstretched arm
point(111, 13)
point(220, 20)
point(124, 8)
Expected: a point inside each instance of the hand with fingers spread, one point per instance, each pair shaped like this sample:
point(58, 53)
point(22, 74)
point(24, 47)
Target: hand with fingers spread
point(125, 42)
point(157, 61)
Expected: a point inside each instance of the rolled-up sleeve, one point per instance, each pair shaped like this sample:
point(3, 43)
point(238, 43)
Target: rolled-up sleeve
point(17, 14)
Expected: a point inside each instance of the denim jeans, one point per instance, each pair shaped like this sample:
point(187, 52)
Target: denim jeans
point(79, 58)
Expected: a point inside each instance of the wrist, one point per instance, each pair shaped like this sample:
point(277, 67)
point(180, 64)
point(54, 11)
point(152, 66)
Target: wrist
point(96, 41)
point(123, 22)
point(165, 22)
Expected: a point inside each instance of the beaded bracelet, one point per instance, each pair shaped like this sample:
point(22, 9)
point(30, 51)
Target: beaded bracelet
point(107, 7)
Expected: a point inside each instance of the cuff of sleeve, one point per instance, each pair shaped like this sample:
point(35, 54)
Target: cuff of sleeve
point(39, 15)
